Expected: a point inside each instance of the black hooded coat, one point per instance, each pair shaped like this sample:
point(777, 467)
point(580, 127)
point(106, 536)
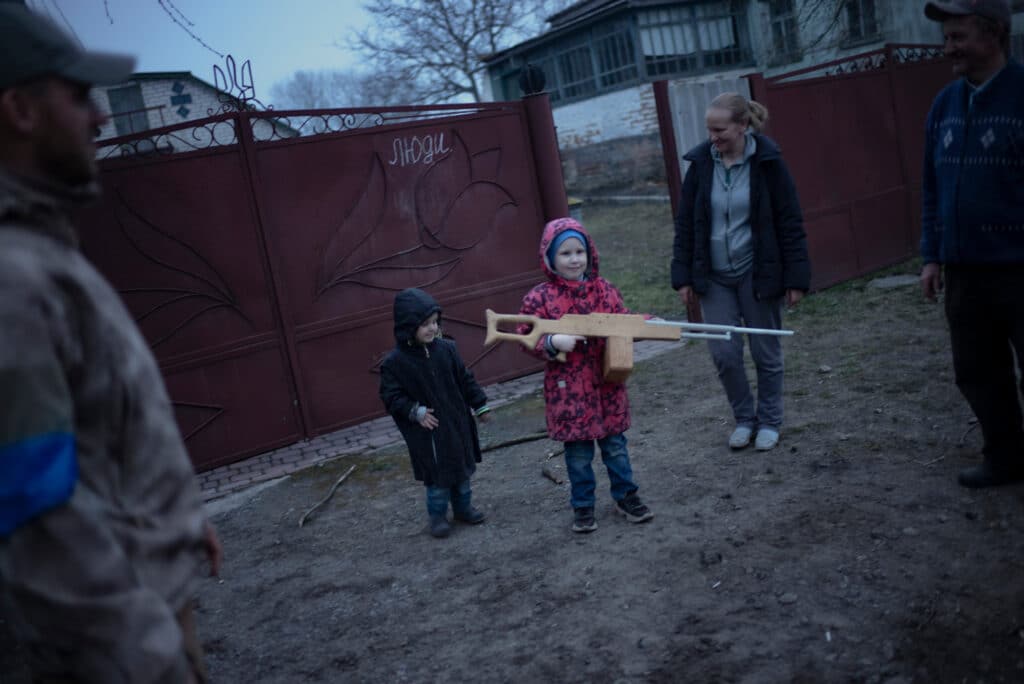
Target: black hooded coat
point(433, 376)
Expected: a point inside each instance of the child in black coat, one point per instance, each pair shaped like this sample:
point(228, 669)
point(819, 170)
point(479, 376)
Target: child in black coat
point(433, 397)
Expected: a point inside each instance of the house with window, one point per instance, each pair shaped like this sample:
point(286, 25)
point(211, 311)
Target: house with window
point(599, 58)
point(153, 100)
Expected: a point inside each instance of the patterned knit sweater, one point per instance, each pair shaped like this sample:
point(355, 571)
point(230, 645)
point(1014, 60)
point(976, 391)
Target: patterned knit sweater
point(973, 184)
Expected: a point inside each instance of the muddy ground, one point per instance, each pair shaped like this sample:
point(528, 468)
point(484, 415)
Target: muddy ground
point(848, 554)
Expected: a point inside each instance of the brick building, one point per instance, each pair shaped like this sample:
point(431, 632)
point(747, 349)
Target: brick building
point(600, 56)
point(153, 100)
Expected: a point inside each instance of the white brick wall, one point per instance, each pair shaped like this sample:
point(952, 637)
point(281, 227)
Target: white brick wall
point(621, 114)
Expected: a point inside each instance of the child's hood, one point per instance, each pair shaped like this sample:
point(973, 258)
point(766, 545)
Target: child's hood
point(552, 230)
point(412, 307)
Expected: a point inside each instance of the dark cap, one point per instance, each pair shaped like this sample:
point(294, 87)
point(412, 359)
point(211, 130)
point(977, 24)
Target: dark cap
point(32, 46)
point(940, 10)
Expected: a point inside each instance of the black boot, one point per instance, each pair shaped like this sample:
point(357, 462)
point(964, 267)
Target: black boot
point(989, 474)
point(470, 516)
point(439, 526)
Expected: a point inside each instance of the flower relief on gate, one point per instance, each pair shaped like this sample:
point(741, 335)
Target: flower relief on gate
point(183, 287)
point(457, 202)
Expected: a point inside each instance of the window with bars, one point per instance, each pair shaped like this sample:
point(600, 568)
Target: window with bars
point(677, 40)
point(861, 22)
point(128, 110)
point(785, 30)
point(576, 72)
point(616, 54)
point(641, 46)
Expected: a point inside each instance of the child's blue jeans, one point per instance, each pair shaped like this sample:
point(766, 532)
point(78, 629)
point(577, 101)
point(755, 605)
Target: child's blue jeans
point(578, 458)
point(461, 496)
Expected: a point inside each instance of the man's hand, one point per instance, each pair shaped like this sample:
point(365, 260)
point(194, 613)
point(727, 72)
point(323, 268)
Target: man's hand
point(214, 550)
point(429, 420)
point(931, 281)
point(565, 343)
point(793, 297)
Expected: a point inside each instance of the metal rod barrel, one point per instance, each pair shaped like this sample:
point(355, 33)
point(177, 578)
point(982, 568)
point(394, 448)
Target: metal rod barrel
point(712, 328)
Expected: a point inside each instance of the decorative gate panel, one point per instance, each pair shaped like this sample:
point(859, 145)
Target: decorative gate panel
point(262, 268)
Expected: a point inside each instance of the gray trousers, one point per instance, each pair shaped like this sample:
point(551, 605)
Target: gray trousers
point(735, 305)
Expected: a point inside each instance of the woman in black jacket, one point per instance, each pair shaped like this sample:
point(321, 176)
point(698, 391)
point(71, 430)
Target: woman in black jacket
point(739, 250)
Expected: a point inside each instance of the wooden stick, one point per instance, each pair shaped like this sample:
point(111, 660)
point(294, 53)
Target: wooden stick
point(324, 500)
point(517, 440)
point(550, 474)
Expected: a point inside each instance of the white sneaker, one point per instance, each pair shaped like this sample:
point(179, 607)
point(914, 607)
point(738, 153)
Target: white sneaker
point(767, 439)
point(740, 437)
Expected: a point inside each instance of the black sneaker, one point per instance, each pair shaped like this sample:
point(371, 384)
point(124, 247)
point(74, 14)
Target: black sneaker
point(987, 474)
point(583, 519)
point(634, 509)
point(439, 526)
point(471, 516)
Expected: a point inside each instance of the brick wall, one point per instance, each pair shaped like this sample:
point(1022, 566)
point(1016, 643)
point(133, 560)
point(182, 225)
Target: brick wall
point(628, 165)
point(610, 143)
point(175, 100)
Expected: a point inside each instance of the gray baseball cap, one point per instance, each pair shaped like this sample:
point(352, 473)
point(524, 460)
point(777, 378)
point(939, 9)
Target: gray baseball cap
point(32, 46)
point(940, 10)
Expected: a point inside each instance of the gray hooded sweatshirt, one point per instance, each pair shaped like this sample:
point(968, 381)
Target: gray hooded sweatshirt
point(101, 521)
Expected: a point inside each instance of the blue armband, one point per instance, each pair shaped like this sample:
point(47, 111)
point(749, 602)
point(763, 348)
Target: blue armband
point(36, 474)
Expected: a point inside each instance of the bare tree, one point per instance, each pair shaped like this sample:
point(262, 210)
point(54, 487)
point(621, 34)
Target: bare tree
point(435, 47)
point(825, 18)
point(334, 89)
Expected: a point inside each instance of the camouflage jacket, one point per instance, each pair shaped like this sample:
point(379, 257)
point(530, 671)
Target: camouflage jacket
point(101, 522)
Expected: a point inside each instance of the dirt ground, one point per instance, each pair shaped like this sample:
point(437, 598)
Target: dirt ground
point(848, 554)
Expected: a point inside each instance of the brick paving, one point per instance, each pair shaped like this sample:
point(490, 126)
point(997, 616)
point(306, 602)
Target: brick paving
point(373, 434)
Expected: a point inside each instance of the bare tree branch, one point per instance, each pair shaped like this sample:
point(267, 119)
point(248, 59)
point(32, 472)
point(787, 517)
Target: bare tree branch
point(337, 89)
point(436, 46)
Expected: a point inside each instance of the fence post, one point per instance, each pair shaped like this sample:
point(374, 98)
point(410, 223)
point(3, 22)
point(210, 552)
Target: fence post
point(667, 128)
point(759, 93)
point(282, 314)
point(546, 159)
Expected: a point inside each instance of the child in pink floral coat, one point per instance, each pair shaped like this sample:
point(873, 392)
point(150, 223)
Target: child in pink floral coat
point(580, 406)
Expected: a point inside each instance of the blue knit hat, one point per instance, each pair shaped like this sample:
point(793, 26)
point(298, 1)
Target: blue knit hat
point(562, 237)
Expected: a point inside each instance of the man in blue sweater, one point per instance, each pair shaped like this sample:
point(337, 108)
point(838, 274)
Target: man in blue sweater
point(973, 224)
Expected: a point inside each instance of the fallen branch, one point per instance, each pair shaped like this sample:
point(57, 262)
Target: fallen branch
point(327, 498)
point(550, 474)
point(518, 440)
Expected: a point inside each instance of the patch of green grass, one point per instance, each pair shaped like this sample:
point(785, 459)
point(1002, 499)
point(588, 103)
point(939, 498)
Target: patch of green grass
point(634, 242)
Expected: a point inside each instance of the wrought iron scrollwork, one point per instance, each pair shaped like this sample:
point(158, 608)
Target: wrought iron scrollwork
point(280, 127)
point(236, 90)
point(194, 136)
point(916, 53)
point(870, 62)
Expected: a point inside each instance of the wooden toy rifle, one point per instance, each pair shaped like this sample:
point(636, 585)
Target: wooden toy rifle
point(619, 329)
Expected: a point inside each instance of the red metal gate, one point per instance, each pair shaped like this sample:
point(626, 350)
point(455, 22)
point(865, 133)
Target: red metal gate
point(852, 132)
point(262, 266)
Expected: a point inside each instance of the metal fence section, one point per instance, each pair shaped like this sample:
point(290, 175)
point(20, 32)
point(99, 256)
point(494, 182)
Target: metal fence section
point(852, 133)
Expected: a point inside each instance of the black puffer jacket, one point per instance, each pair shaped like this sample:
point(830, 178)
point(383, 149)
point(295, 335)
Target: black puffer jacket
point(780, 245)
point(433, 376)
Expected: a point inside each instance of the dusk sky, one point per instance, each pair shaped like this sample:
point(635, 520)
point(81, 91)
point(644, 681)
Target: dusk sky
point(279, 38)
